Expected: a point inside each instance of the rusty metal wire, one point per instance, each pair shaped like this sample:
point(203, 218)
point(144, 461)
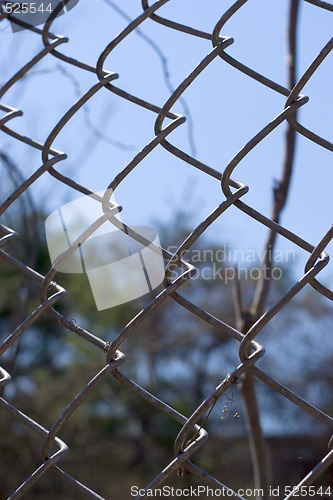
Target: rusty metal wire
point(234, 194)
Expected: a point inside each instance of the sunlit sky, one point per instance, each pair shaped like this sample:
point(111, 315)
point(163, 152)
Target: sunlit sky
point(227, 109)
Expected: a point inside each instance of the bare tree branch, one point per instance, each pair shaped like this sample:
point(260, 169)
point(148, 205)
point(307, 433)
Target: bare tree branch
point(281, 189)
point(259, 452)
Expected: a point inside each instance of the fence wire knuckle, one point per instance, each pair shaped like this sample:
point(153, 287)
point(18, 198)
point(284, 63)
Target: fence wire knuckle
point(192, 435)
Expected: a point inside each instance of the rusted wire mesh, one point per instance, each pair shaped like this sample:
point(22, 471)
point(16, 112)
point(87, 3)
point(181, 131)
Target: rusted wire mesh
point(193, 434)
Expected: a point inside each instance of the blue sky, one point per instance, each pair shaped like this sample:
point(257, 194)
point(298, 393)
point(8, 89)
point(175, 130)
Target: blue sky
point(227, 109)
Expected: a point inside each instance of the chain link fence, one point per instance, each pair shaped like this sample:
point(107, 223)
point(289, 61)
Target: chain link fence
point(192, 435)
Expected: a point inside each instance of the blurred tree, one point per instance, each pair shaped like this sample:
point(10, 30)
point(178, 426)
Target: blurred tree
point(175, 355)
